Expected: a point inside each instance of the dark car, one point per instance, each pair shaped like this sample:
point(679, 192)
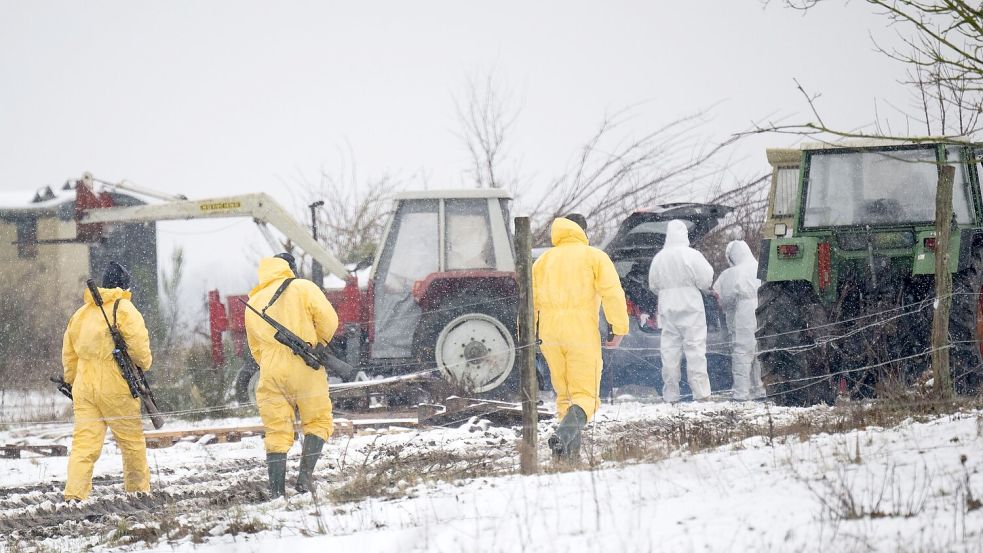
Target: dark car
point(639, 238)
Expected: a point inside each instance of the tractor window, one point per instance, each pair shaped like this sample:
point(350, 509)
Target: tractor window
point(468, 240)
point(413, 254)
point(887, 187)
point(787, 183)
point(962, 197)
point(409, 255)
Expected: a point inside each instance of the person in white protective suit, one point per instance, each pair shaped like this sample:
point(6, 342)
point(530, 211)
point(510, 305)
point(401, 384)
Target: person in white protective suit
point(677, 275)
point(737, 288)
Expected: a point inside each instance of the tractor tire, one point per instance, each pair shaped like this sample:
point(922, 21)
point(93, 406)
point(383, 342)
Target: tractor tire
point(470, 340)
point(246, 381)
point(966, 326)
point(787, 312)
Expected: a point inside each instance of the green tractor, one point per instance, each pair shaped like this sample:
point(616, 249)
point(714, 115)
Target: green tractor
point(847, 269)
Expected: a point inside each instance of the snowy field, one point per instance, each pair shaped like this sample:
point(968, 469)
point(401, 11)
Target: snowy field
point(695, 477)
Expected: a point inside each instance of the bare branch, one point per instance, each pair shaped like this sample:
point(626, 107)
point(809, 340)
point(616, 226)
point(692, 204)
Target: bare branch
point(486, 115)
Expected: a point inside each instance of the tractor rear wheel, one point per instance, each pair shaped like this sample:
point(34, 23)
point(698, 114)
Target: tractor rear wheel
point(470, 340)
point(966, 326)
point(793, 368)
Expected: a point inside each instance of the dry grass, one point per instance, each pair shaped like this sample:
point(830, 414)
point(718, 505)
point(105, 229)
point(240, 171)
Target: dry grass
point(647, 441)
point(390, 471)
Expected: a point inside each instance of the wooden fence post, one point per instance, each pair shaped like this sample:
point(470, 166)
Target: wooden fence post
point(528, 458)
point(943, 284)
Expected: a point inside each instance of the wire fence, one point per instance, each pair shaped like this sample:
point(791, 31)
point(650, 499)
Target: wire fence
point(880, 318)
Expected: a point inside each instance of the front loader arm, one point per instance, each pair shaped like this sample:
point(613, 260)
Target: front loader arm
point(260, 207)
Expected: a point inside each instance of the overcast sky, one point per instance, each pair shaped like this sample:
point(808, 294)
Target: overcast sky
point(225, 97)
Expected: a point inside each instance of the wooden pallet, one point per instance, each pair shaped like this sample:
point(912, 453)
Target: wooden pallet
point(342, 427)
point(13, 451)
point(456, 411)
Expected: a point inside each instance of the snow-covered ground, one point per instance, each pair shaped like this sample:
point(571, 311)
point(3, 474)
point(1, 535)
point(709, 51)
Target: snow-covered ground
point(659, 482)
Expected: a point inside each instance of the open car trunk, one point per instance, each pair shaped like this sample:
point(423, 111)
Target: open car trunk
point(642, 235)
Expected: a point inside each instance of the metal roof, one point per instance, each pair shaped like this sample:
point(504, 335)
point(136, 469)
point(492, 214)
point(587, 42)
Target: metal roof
point(44, 200)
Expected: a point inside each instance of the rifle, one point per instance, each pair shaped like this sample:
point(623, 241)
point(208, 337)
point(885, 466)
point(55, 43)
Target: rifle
point(314, 357)
point(132, 374)
point(63, 387)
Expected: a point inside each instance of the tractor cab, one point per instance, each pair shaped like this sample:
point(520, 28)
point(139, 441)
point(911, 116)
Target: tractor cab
point(443, 287)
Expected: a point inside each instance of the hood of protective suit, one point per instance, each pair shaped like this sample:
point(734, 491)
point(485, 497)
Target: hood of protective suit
point(738, 253)
point(565, 231)
point(109, 296)
point(676, 234)
point(270, 269)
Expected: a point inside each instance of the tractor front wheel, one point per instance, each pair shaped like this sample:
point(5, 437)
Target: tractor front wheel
point(793, 368)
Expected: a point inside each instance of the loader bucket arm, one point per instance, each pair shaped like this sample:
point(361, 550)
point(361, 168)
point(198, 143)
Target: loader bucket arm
point(260, 207)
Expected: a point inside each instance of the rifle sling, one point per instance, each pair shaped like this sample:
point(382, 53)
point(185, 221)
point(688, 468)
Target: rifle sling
point(276, 295)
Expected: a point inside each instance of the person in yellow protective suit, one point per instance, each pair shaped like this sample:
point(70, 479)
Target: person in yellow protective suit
point(571, 282)
point(101, 397)
point(285, 381)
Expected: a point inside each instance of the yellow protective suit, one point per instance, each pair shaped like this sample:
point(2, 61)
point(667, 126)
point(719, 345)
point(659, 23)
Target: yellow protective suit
point(571, 282)
point(285, 381)
point(101, 396)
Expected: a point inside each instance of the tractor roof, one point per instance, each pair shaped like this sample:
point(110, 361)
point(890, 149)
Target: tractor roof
point(881, 142)
point(460, 193)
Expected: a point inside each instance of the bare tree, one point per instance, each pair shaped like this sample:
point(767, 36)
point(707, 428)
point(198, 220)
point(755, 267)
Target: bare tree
point(749, 198)
point(949, 106)
point(487, 113)
point(614, 175)
point(943, 53)
point(353, 217)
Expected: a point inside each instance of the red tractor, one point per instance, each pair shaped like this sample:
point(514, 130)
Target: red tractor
point(440, 298)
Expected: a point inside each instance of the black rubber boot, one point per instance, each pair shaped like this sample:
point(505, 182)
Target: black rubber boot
point(276, 466)
point(308, 459)
point(565, 444)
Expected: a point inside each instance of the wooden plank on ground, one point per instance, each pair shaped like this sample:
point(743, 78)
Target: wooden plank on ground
point(342, 427)
point(13, 451)
point(366, 388)
point(458, 410)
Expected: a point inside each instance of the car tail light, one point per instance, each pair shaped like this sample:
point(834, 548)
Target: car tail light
point(788, 250)
point(632, 308)
point(929, 243)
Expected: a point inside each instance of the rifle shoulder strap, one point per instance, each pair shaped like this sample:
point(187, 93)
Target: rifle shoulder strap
point(276, 295)
point(115, 308)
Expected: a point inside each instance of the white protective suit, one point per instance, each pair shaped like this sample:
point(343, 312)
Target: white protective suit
point(738, 291)
point(677, 275)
